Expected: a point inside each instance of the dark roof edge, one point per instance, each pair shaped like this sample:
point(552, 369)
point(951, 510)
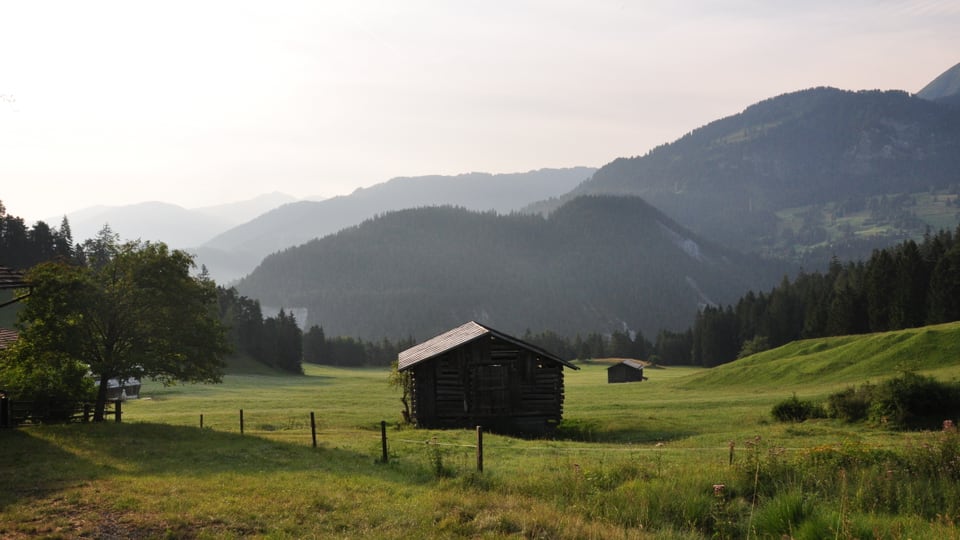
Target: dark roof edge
point(485, 331)
point(534, 348)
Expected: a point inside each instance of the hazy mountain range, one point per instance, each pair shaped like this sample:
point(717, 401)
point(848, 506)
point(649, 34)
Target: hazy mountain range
point(237, 251)
point(178, 227)
point(797, 178)
point(615, 262)
point(231, 239)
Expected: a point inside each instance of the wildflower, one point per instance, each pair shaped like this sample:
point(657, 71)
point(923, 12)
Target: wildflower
point(948, 425)
point(718, 489)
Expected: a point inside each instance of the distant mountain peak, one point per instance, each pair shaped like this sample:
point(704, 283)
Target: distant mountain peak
point(946, 85)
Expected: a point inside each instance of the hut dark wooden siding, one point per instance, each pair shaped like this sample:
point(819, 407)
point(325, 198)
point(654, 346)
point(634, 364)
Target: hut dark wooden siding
point(626, 371)
point(492, 380)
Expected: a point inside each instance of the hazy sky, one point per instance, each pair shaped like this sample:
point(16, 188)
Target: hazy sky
point(202, 102)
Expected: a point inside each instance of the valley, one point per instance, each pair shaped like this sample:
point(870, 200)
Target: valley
point(636, 460)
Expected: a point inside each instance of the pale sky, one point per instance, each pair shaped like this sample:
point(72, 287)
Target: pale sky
point(203, 102)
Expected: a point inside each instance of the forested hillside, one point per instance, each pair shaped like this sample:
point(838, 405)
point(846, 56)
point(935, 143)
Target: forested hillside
point(741, 180)
point(904, 286)
point(237, 251)
point(596, 264)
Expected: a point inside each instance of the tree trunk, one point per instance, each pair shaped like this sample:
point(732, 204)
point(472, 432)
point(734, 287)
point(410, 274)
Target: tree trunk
point(101, 403)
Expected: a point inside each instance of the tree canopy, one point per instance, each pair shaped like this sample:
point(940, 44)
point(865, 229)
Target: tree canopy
point(133, 310)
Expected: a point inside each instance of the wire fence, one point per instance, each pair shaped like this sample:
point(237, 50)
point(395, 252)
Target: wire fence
point(397, 444)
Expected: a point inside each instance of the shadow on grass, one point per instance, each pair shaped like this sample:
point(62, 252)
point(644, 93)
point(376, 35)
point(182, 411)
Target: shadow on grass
point(37, 462)
point(592, 431)
point(32, 467)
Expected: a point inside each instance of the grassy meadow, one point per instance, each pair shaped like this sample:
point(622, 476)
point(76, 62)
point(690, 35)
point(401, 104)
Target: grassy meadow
point(638, 460)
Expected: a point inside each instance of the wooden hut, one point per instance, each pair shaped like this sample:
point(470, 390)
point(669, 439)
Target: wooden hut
point(8, 337)
point(474, 375)
point(626, 371)
point(10, 280)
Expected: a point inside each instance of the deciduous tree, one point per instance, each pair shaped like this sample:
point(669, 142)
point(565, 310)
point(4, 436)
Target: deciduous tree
point(134, 311)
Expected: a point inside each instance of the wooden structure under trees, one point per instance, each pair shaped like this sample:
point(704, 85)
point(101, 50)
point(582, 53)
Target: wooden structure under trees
point(474, 375)
point(9, 280)
point(8, 337)
point(626, 371)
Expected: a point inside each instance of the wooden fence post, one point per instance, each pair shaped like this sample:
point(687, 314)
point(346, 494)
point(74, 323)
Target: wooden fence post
point(313, 429)
point(86, 413)
point(4, 412)
point(383, 439)
point(118, 410)
point(241, 421)
point(201, 420)
point(480, 449)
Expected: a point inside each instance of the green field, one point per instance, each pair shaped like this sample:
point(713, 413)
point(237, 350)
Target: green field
point(639, 460)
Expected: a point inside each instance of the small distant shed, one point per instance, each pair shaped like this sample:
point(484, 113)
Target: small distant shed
point(626, 371)
point(123, 389)
point(474, 375)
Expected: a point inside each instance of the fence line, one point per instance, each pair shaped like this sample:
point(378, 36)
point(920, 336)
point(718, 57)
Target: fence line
point(310, 423)
point(15, 413)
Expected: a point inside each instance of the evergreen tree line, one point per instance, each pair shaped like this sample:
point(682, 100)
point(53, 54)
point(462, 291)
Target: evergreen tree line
point(22, 247)
point(274, 341)
point(348, 351)
point(669, 348)
point(905, 286)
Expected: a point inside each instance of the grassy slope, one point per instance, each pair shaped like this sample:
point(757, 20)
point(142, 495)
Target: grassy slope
point(636, 444)
point(828, 362)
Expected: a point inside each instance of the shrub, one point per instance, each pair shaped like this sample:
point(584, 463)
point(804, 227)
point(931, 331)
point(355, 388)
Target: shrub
point(796, 410)
point(910, 401)
point(913, 401)
point(851, 404)
point(754, 346)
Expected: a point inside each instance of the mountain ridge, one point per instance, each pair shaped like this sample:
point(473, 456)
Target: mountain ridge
point(237, 251)
point(728, 179)
point(175, 225)
point(945, 87)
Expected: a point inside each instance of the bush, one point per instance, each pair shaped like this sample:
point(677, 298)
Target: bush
point(913, 401)
point(910, 401)
point(796, 410)
point(851, 404)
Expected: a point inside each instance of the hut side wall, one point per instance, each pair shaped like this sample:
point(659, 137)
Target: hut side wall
point(623, 373)
point(489, 382)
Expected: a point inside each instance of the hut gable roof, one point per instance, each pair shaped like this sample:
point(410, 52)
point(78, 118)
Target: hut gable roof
point(11, 279)
point(635, 364)
point(462, 335)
